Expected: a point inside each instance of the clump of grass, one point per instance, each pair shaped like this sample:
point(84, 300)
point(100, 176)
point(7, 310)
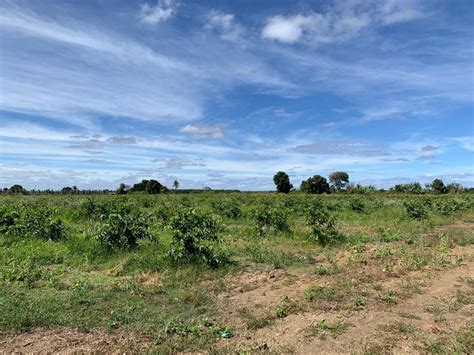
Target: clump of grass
point(287, 306)
point(256, 322)
point(388, 297)
point(323, 327)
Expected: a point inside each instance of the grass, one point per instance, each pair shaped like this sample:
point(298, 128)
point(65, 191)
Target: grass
point(324, 327)
point(74, 282)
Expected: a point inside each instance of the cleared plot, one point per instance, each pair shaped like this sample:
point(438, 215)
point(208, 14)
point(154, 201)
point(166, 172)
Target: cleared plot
point(244, 272)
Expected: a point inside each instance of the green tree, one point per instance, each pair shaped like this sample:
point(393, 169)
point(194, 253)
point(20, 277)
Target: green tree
point(149, 186)
point(153, 187)
point(282, 182)
point(175, 184)
point(17, 189)
point(339, 180)
point(315, 185)
point(438, 186)
point(67, 190)
point(454, 188)
point(121, 189)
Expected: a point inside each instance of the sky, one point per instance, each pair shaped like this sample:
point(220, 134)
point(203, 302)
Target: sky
point(226, 93)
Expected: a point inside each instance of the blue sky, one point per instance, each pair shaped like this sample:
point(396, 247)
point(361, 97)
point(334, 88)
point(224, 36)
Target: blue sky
point(226, 93)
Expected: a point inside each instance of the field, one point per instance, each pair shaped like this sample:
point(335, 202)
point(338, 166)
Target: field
point(237, 272)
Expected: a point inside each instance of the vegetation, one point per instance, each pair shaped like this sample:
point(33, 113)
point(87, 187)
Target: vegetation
point(315, 185)
point(339, 180)
point(173, 269)
point(282, 182)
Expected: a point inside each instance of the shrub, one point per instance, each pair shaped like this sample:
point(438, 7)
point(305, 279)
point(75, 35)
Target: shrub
point(163, 212)
point(194, 236)
point(357, 205)
point(415, 209)
point(447, 207)
point(8, 217)
point(123, 230)
point(96, 209)
point(322, 224)
point(228, 208)
point(31, 222)
point(267, 216)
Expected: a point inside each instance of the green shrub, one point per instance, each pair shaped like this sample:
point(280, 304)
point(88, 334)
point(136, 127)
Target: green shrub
point(267, 216)
point(25, 270)
point(195, 235)
point(228, 208)
point(357, 205)
point(23, 221)
point(93, 209)
point(123, 230)
point(416, 209)
point(322, 224)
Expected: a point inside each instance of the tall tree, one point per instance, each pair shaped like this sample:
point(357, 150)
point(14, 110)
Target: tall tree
point(176, 184)
point(315, 185)
point(438, 186)
point(121, 189)
point(282, 182)
point(339, 180)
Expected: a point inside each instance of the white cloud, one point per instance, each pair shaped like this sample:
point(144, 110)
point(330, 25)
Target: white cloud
point(342, 21)
point(162, 11)
point(111, 74)
point(465, 142)
point(203, 131)
point(286, 30)
point(225, 24)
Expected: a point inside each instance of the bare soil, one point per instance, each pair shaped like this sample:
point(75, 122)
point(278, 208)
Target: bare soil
point(427, 305)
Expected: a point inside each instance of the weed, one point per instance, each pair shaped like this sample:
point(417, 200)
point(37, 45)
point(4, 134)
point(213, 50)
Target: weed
point(323, 326)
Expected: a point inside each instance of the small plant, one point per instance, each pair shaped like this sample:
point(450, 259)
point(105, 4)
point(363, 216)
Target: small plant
point(388, 297)
point(322, 270)
point(323, 326)
point(123, 231)
point(256, 322)
point(194, 236)
point(359, 302)
point(322, 224)
point(320, 293)
point(286, 307)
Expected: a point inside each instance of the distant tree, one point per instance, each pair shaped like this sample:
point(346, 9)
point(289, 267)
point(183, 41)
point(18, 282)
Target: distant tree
point(315, 185)
point(17, 189)
point(359, 189)
point(175, 184)
point(122, 189)
point(149, 186)
point(454, 188)
point(339, 180)
point(153, 187)
point(66, 190)
point(75, 190)
point(282, 182)
point(412, 188)
point(437, 186)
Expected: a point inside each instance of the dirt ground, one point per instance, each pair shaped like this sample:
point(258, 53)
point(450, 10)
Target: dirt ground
point(430, 305)
point(432, 313)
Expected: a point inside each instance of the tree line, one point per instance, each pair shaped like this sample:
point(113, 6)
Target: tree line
point(337, 182)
